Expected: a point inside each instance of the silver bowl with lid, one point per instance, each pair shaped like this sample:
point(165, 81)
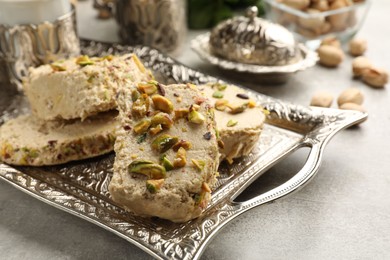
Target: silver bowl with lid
point(254, 46)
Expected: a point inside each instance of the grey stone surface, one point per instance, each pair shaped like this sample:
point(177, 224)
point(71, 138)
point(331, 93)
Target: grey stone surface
point(343, 213)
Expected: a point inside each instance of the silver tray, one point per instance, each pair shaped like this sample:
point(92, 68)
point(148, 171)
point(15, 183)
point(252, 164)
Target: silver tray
point(260, 73)
point(80, 188)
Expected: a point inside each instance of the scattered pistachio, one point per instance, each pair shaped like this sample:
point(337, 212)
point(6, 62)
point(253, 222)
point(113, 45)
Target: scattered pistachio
point(194, 107)
point(162, 119)
point(357, 47)
point(221, 87)
point(162, 103)
point(135, 95)
point(330, 56)
point(148, 88)
point(217, 94)
point(199, 197)
point(148, 168)
point(331, 41)
point(231, 123)
point(351, 95)
point(134, 156)
point(84, 61)
point(353, 106)
point(138, 63)
point(154, 185)
point(57, 66)
point(359, 64)
point(142, 126)
point(141, 138)
point(196, 117)
point(251, 104)
point(184, 129)
point(220, 105)
point(155, 130)
point(161, 89)
point(237, 109)
point(221, 144)
point(199, 164)
point(108, 57)
point(164, 142)
point(206, 187)
point(166, 163)
point(200, 100)
point(322, 99)
point(182, 143)
point(242, 96)
point(297, 4)
point(141, 106)
point(180, 159)
point(181, 113)
point(375, 77)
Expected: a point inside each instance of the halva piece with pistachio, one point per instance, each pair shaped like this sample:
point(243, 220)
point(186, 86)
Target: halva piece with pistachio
point(81, 87)
point(166, 173)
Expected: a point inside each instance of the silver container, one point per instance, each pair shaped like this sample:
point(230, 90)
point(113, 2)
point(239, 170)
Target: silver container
point(26, 45)
point(158, 23)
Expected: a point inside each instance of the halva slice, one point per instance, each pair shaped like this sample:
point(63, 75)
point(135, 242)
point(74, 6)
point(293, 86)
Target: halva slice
point(27, 140)
point(166, 152)
point(80, 87)
point(239, 119)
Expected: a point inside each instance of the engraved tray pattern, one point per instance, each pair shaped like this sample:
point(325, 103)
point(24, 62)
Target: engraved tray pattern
point(81, 188)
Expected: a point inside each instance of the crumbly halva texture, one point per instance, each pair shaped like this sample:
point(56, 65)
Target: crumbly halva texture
point(80, 87)
point(239, 119)
point(27, 140)
point(164, 165)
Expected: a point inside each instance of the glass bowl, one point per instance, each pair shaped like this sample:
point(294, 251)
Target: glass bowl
point(311, 26)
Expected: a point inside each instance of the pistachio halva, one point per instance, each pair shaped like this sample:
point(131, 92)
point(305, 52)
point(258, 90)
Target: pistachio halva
point(166, 152)
point(27, 140)
point(239, 120)
point(80, 87)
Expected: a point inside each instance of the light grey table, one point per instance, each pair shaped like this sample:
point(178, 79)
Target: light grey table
point(344, 213)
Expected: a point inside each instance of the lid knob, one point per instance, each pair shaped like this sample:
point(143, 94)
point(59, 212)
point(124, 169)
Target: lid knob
point(251, 12)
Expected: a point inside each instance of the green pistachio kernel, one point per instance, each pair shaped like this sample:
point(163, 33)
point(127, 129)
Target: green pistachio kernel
point(162, 103)
point(148, 168)
point(147, 88)
point(162, 119)
point(180, 159)
point(196, 117)
point(199, 164)
point(164, 142)
point(135, 95)
point(217, 94)
point(57, 66)
point(84, 61)
point(154, 185)
point(221, 87)
point(142, 126)
point(237, 109)
point(166, 163)
point(232, 123)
